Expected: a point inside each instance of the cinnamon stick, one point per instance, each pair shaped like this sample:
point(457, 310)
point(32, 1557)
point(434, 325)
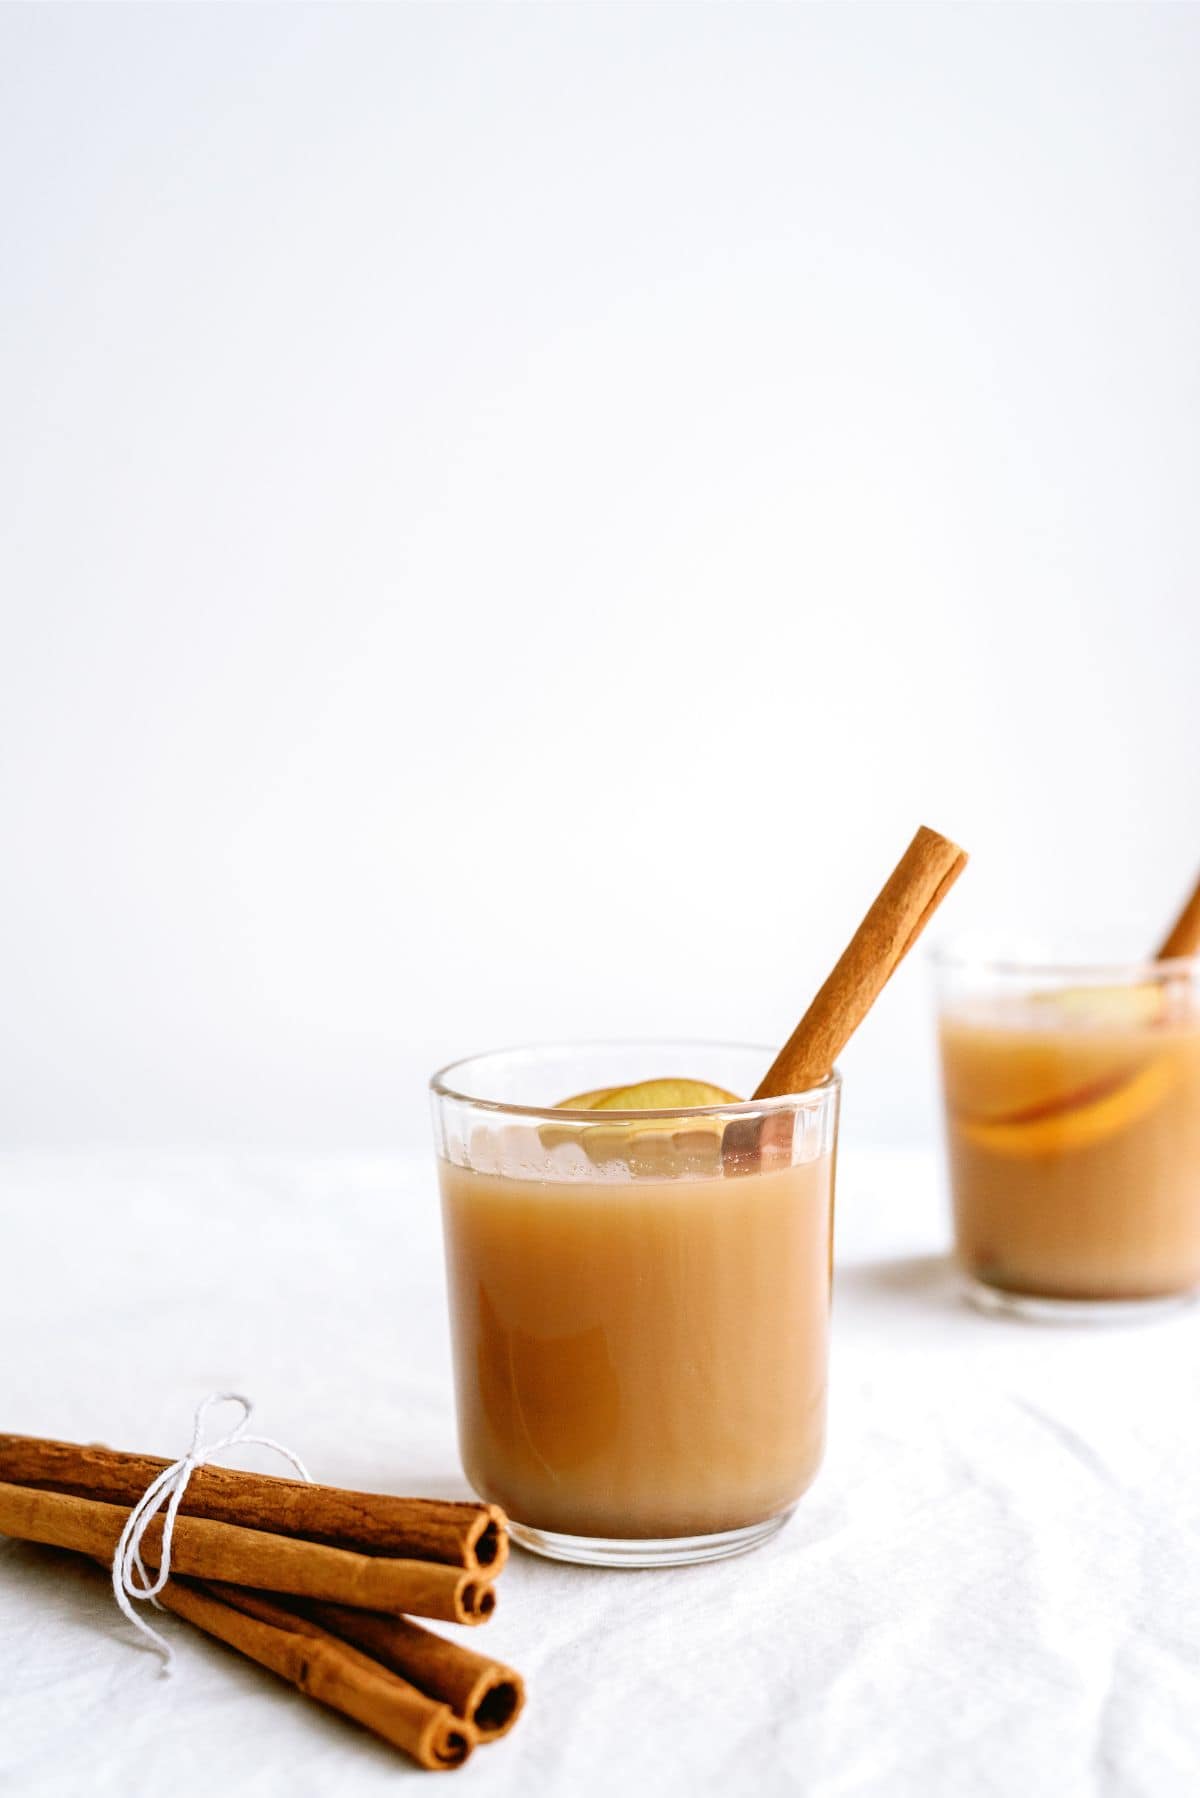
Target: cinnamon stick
point(1183, 938)
point(913, 891)
point(324, 1668)
point(485, 1692)
point(251, 1557)
point(472, 1536)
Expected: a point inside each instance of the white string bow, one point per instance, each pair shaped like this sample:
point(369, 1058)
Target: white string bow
point(131, 1583)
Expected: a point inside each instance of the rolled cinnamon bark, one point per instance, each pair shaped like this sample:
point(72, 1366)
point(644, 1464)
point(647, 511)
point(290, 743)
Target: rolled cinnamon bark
point(913, 891)
point(486, 1692)
point(472, 1536)
point(326, 1669)
point(258, 1558)
point(1183, 938)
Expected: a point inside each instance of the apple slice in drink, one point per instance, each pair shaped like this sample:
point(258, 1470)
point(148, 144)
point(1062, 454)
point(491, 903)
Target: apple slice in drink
point(1074, 1127)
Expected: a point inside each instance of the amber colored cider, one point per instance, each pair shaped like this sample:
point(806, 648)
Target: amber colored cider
point(644, 1358)
point(1073, 1123)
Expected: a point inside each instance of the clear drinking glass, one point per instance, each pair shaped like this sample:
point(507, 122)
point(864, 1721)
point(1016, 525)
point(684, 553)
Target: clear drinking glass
point(639, 1301)
point(1073, 1123)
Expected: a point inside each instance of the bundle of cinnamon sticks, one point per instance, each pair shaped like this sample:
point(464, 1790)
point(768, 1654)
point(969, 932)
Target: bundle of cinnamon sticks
point(316, 1583)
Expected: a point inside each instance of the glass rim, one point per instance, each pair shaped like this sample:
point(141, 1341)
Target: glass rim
point(951, 959)
point(441, 1088)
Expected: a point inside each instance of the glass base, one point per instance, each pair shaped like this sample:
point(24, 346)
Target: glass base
point(998, 1303)
point(645, 1551)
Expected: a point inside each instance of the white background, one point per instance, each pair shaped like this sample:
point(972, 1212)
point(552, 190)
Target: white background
point(509, 516)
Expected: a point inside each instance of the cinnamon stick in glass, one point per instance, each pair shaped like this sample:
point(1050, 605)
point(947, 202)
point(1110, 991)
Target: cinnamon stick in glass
point(485, 1692)
point(471, 1536)
point(912, 893)
point(1183, 938)
point(251, 1557)
point(326, 1669)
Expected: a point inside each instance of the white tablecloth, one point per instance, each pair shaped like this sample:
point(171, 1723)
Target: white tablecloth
point(992, 1588)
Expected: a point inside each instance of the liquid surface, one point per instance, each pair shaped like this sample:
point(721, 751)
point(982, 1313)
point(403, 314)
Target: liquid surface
point(1074, 1137)
point(644, 1358)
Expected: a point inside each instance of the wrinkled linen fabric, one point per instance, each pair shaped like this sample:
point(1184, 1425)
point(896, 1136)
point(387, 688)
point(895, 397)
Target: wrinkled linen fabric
point(992, 1589)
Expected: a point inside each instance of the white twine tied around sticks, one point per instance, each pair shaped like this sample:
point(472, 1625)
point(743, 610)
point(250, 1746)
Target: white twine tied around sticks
point(130, 1581)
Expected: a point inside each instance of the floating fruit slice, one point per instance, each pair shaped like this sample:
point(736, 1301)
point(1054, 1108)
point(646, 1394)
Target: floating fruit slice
point(665, 1095)
point(1108, 1007)
point(613, 1141)
point(585, 1101)
point(1080, 1127)
point(1059, 1102)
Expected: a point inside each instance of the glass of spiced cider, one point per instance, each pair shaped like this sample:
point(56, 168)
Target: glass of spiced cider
point(1072, 1102)
point(639, 1286)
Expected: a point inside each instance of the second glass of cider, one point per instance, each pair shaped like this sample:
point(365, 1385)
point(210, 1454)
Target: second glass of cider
point(1073, 1127)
